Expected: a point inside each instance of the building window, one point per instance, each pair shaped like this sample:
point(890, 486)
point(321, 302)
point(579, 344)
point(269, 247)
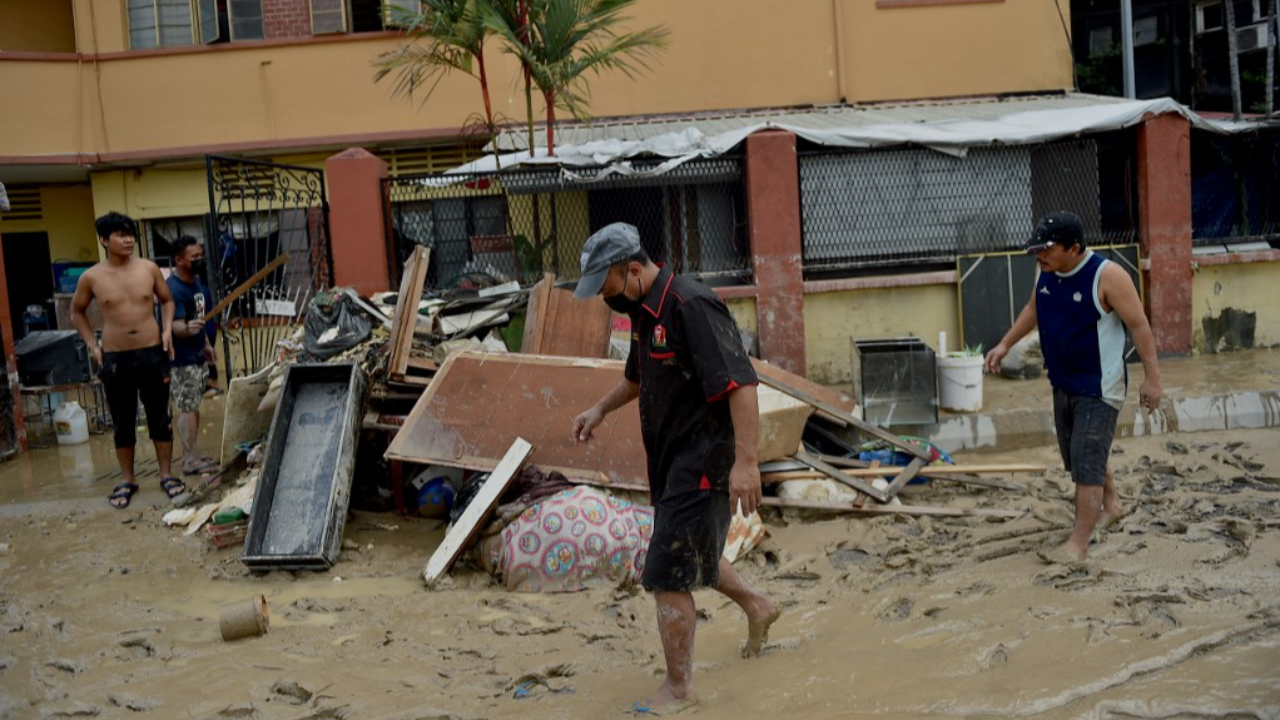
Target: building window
point(160, 23)
point(1146, 31)
point(1210, 17)
point(174, 23)
point(397, 13)
point(328, 16)
point(1101, 41)
point(357, 16)
point(245, 19)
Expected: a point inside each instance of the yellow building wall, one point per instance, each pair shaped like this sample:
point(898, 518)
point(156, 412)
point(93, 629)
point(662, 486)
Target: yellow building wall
point(954, 50)
point(723, 54)
point(37, 26)
point(744, 313)
point(67, 219)
point(833, 320)
point(1246, 288)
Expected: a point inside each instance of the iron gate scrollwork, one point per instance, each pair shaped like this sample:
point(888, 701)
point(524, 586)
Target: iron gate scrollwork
point(257, 211)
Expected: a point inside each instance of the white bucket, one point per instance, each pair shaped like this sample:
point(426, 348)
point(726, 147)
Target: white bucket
point(960, 383)
point(71, 424)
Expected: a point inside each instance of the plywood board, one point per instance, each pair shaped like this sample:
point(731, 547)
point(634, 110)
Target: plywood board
point(241, 420)
point(479, 403)
point(769, 372)
point(558, 324)
point(462, 531)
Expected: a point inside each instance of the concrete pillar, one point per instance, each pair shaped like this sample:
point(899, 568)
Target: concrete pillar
point(773, 202)
point(10, 359)
point(357, 229)
point(1164, 227)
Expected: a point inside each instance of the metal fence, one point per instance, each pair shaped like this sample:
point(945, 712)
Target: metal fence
point(1235, 190)
point(517, 224)
point(876, 208)
point(258, 211)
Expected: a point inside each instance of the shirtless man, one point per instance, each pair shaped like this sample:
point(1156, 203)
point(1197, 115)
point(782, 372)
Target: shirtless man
point(133, 360)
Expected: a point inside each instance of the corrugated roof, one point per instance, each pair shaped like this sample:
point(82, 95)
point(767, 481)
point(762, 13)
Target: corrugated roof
point(819, 118)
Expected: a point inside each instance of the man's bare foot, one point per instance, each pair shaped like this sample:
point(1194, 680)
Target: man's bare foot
point(1110, 516)
point(758, 628)
point(1062, 555)
point(666, 700)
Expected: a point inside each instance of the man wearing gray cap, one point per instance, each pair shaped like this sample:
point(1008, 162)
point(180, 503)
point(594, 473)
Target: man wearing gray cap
point(698, 416)
point(1082, 304)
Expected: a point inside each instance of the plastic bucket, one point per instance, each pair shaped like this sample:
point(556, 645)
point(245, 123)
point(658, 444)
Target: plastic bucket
point(71, 424)
point(960, 383)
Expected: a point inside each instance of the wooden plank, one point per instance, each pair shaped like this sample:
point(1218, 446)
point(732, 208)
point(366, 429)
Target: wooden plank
point(934, 475)
point(926, 471)
point(845, 507)
point(918, 510)
point(534, 319)
point(821, 392)
point(461, 532)
point(479, 403)
point(406, 317)
point(245, 287)
point(905, 476)
point(840, 477)
point(558, 324)
point(374, 312)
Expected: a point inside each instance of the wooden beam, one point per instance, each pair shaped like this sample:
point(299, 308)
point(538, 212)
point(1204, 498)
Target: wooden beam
point(846, 417)
point(926, 471)
point(904, 477)
point(245, 287)
point(462, 531)
point(841, 477)
point(844, 507)
point(932, 474)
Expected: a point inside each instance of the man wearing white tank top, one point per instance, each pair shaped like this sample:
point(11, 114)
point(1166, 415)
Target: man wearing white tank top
point(1082, 304)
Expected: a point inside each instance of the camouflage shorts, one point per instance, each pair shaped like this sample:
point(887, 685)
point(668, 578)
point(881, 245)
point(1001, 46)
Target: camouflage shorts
point(187, 386)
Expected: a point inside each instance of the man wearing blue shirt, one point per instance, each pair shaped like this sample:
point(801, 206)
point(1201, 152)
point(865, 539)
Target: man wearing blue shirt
point(1082, 304)
point(192, 350)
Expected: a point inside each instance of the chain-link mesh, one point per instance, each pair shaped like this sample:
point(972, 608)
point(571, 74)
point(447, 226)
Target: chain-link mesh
point(863, 209)
point(517, 224)
point(1235, 190)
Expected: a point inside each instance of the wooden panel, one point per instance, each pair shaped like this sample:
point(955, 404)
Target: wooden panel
point(831, 396)
point(462, 531)
point(478, 404)
point(558, 324)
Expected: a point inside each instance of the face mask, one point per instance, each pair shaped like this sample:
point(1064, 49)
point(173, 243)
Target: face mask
point(198, 267)
point(622, 304)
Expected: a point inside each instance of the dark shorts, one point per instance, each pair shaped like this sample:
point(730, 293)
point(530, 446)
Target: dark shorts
point(689, 532)
point(1085, 426)
point(132, 375)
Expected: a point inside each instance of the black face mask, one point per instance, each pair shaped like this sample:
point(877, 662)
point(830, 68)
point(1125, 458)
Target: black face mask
point(622, 304)
point(198, 267)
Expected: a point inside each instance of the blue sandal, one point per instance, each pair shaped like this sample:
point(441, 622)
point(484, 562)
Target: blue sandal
point(172, 486)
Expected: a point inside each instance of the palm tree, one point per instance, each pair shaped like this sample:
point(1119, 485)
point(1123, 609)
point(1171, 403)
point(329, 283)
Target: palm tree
point(565, 39)
point(447, 35)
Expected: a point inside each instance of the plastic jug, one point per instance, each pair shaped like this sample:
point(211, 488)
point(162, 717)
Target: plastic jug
point(71, 424)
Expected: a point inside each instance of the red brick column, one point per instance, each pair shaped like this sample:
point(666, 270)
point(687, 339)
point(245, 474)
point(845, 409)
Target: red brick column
point(773, 201)
point(11, 359)
point(357, 232)
point(1164, 227)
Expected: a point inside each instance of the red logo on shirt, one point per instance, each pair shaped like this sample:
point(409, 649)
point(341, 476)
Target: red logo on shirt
point(705, 484)
point(659, 336)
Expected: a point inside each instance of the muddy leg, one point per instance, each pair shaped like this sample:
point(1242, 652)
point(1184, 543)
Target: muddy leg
point(676, 624)
point(761, 611)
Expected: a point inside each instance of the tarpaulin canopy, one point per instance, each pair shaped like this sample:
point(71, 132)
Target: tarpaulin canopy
point(949, 128)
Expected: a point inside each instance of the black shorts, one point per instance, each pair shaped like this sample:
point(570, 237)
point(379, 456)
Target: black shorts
point(689, 532)
point(1085, 427)
point(131, 375)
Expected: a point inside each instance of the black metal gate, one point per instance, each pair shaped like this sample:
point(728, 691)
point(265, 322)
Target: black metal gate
point(259, 211)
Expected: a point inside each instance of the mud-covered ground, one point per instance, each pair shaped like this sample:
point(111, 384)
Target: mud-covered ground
point(109, 614)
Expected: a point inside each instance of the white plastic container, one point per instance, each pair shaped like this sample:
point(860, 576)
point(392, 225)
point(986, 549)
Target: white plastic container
point(71, 424)
point(960, 383)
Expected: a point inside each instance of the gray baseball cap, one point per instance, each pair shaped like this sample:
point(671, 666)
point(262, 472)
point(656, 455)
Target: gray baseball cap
point(610, 244)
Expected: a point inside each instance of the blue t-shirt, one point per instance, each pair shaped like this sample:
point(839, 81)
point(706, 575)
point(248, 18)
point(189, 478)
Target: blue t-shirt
point(190, 302)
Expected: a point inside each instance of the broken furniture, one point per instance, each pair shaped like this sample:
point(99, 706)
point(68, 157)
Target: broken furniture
point(305, 486)
point(402, 367)
point(558, 324)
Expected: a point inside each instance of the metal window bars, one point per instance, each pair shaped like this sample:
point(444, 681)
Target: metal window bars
point(1235, 188)
point(516, 224)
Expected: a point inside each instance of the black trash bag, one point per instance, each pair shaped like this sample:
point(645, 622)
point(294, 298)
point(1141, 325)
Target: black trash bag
point(465, 494)
point(353, 327)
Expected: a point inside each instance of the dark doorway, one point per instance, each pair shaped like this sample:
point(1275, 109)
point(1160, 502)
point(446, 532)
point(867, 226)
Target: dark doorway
point(34, 284)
